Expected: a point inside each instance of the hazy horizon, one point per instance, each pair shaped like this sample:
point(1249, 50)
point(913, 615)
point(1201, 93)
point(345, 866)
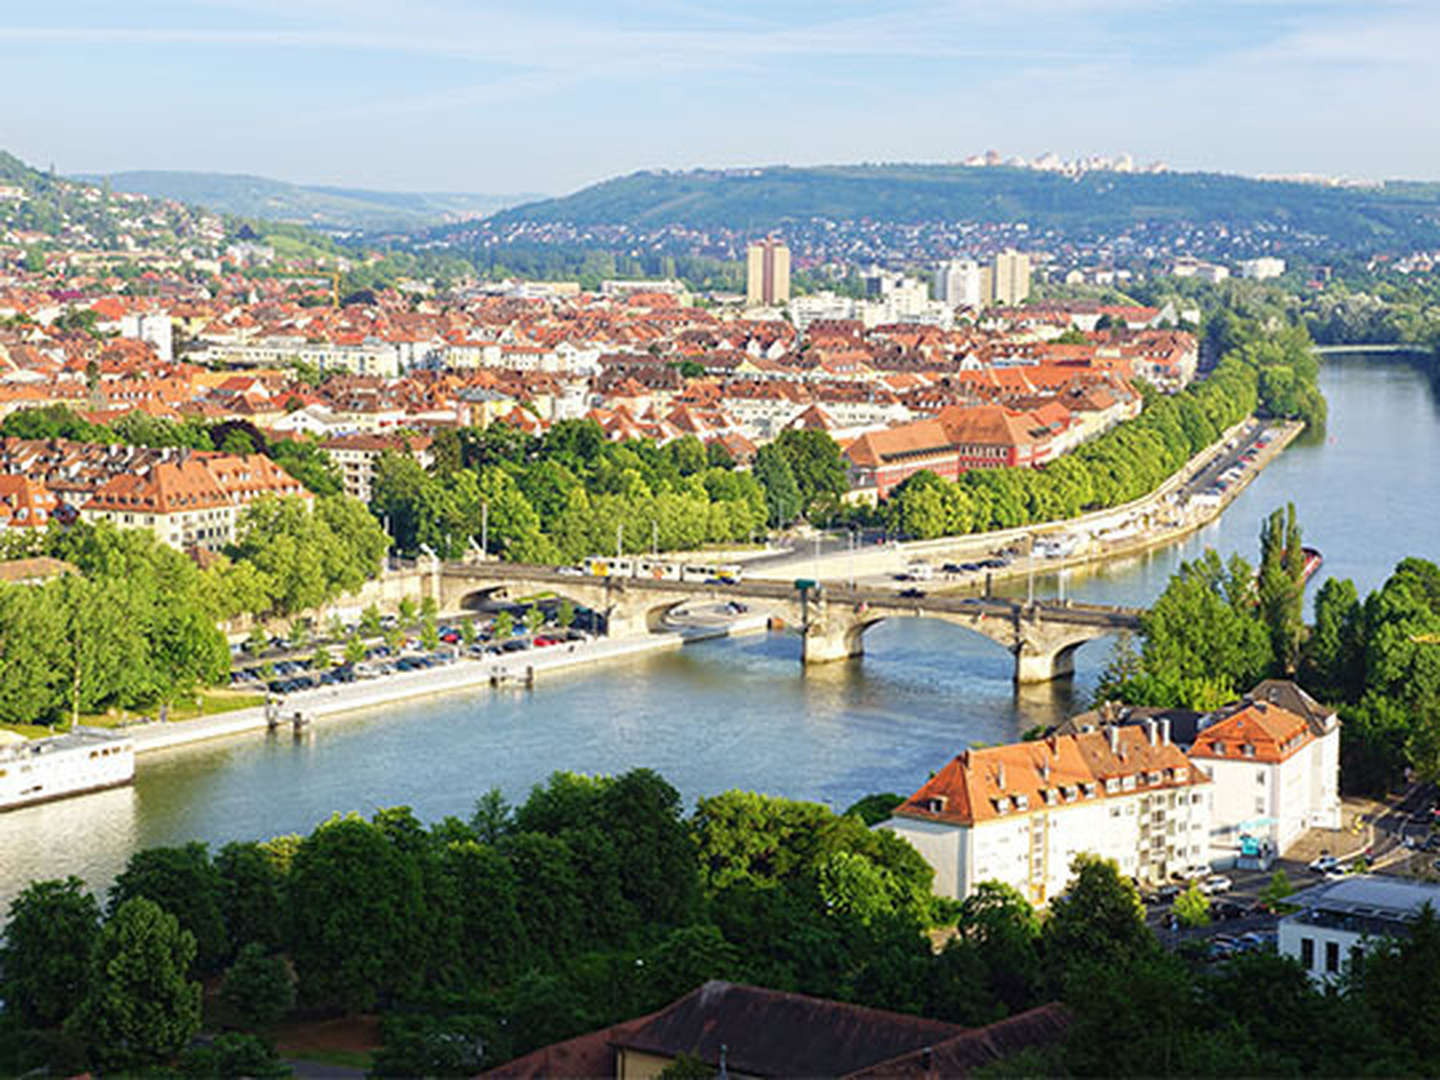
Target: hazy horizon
point(466, 96)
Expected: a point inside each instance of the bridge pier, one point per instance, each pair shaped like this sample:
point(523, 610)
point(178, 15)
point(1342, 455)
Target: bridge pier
point(825, 643)
point(1035, 666)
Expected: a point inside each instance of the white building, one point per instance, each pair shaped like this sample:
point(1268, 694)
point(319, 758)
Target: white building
point(1337, 919)
point(151, 328)
point(1019, 814)
point(1266, 266)
point(1274, 758)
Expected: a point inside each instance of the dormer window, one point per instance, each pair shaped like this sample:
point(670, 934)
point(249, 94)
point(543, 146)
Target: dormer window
point(935, 804)
point(1218, 749)
point(1248, 750)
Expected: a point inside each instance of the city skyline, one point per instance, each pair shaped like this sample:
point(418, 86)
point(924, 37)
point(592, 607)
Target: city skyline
point(450, 95)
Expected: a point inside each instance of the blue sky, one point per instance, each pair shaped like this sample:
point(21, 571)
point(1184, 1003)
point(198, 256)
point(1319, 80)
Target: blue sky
point(478, 96)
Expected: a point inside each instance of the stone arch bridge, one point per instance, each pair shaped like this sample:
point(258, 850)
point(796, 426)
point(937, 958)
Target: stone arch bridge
point(831, 619)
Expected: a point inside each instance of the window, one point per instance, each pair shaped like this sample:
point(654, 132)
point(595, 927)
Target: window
point(1307, 953)
point(1260, 776)
point(1332, 956)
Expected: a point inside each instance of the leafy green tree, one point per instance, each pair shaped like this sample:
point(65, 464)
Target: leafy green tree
point(504, 625)
point(141, 1007)
point(782, 494)
point(1277, 889)
point(45, 957)
point(355, 903)
point(355, 649)
point(1098, 919)
point(252, 896)
point(259, 986)
point(534, 619)
point(1280, 586)
point(184, 882)
point(233, 1053)
point(873, 809)
point(1334, 661)
point(493, 816)
point(370, 621)
point(817, 468)
point(407, 610)
point(1192, 907)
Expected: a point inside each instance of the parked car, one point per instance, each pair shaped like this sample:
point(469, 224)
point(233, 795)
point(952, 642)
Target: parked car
point(1192, 872)
point(1163, 895)
point(1216, 884)
point(1325, 864)
point(911, 594)
point(1228, 909)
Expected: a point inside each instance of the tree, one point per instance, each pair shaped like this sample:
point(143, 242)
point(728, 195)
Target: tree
point(184, 882)
point(252, 896)
point(407, 610)
point(565, 615)
point(1192, 907)
point(355, 650)
point(782, 495)
point(504, 625)
point(534, 619)
point(233, 1054)
point(357, 919)
point(1280, 586)
point(370, 621)
point(1277, 889)
point(45, 958)
point(259, 986)
point(1098, 919)
point(141, 1008)
point(493, 816)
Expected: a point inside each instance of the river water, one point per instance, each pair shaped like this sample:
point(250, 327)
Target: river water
point(742, 713)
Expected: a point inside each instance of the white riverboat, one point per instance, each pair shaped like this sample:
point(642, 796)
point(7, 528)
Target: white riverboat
point(38, 770)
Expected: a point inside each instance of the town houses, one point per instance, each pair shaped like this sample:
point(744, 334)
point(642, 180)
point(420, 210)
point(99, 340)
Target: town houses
point(1159, 791)
point(281, 355)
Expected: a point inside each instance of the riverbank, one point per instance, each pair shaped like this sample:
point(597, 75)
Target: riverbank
point(1153, 520)
point(465, 674)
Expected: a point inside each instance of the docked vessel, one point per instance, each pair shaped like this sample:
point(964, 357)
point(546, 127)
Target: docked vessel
point(1313, 559)
point(38, 770)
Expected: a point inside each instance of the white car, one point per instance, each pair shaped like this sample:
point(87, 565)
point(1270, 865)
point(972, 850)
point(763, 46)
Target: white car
point(1216, 883)
point(1193, 872)
point(1325, 864)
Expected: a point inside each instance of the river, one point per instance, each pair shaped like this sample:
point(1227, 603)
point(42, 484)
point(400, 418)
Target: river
point(742, 713)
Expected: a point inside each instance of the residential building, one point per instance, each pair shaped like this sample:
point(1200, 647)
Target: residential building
point(749, 1031)
point(1274, 758)
point(26, 503)
point(192, 499)
point(1336, 920)
point(1019, 814)
point(958, 283)
point(1266, 266)
point(1010, 278)
point(767, 274)
point(356, 457)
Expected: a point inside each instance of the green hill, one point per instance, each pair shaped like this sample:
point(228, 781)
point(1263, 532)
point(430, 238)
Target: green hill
point(1400, 213)
point(335, 208)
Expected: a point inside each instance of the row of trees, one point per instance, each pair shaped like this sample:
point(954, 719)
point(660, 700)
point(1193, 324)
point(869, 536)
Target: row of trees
point(1276, 372)
point(137, 625)
point(596, 900)
point(572, 493)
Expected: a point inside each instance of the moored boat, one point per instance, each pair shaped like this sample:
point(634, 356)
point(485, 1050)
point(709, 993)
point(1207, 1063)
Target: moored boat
point(39, 770)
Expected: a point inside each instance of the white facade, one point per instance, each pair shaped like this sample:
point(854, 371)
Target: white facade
point(1338, 918)
point(1261, 269)
point(154, 329)
point(959, 283)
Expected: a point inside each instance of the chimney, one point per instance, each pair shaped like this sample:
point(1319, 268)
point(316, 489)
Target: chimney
point(1165, 731)
point(1045, 771)
point(1151, 729)
point(1114, 732)
point(1000, 776)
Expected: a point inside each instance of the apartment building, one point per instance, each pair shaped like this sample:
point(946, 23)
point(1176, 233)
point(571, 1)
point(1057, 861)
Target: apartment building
point(356, 456)
point(1019, 814)
point(767, 274)
point(1336, 920)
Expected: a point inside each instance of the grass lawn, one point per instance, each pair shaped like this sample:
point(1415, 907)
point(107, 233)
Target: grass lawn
point(212, 703)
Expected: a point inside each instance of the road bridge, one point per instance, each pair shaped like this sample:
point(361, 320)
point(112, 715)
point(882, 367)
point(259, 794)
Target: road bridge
point(831, 619)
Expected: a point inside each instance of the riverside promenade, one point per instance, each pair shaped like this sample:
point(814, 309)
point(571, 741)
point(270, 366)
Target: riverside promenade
point(464, 674)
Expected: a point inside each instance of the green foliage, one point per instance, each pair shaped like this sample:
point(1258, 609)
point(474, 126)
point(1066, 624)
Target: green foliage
point(357, 921)
point(45, 957)
point(232, 1054)
point(1204, 640)
point(873, 809)
point(252, 898)
point(307, 557)
point(1192, 907)
point(186, 884)
point(140, 1008)
point(1099, 919)
point(259, 986)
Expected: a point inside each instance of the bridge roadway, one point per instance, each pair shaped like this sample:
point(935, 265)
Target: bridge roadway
point(1042, 636)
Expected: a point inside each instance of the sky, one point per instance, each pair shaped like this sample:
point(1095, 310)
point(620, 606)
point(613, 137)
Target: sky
point(470, 95)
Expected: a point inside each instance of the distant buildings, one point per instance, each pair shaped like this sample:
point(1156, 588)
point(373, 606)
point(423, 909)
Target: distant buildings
point(960, 283)
point(1266, 266)
point(1010, 278)
point(767, 274)
point(356, 456)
